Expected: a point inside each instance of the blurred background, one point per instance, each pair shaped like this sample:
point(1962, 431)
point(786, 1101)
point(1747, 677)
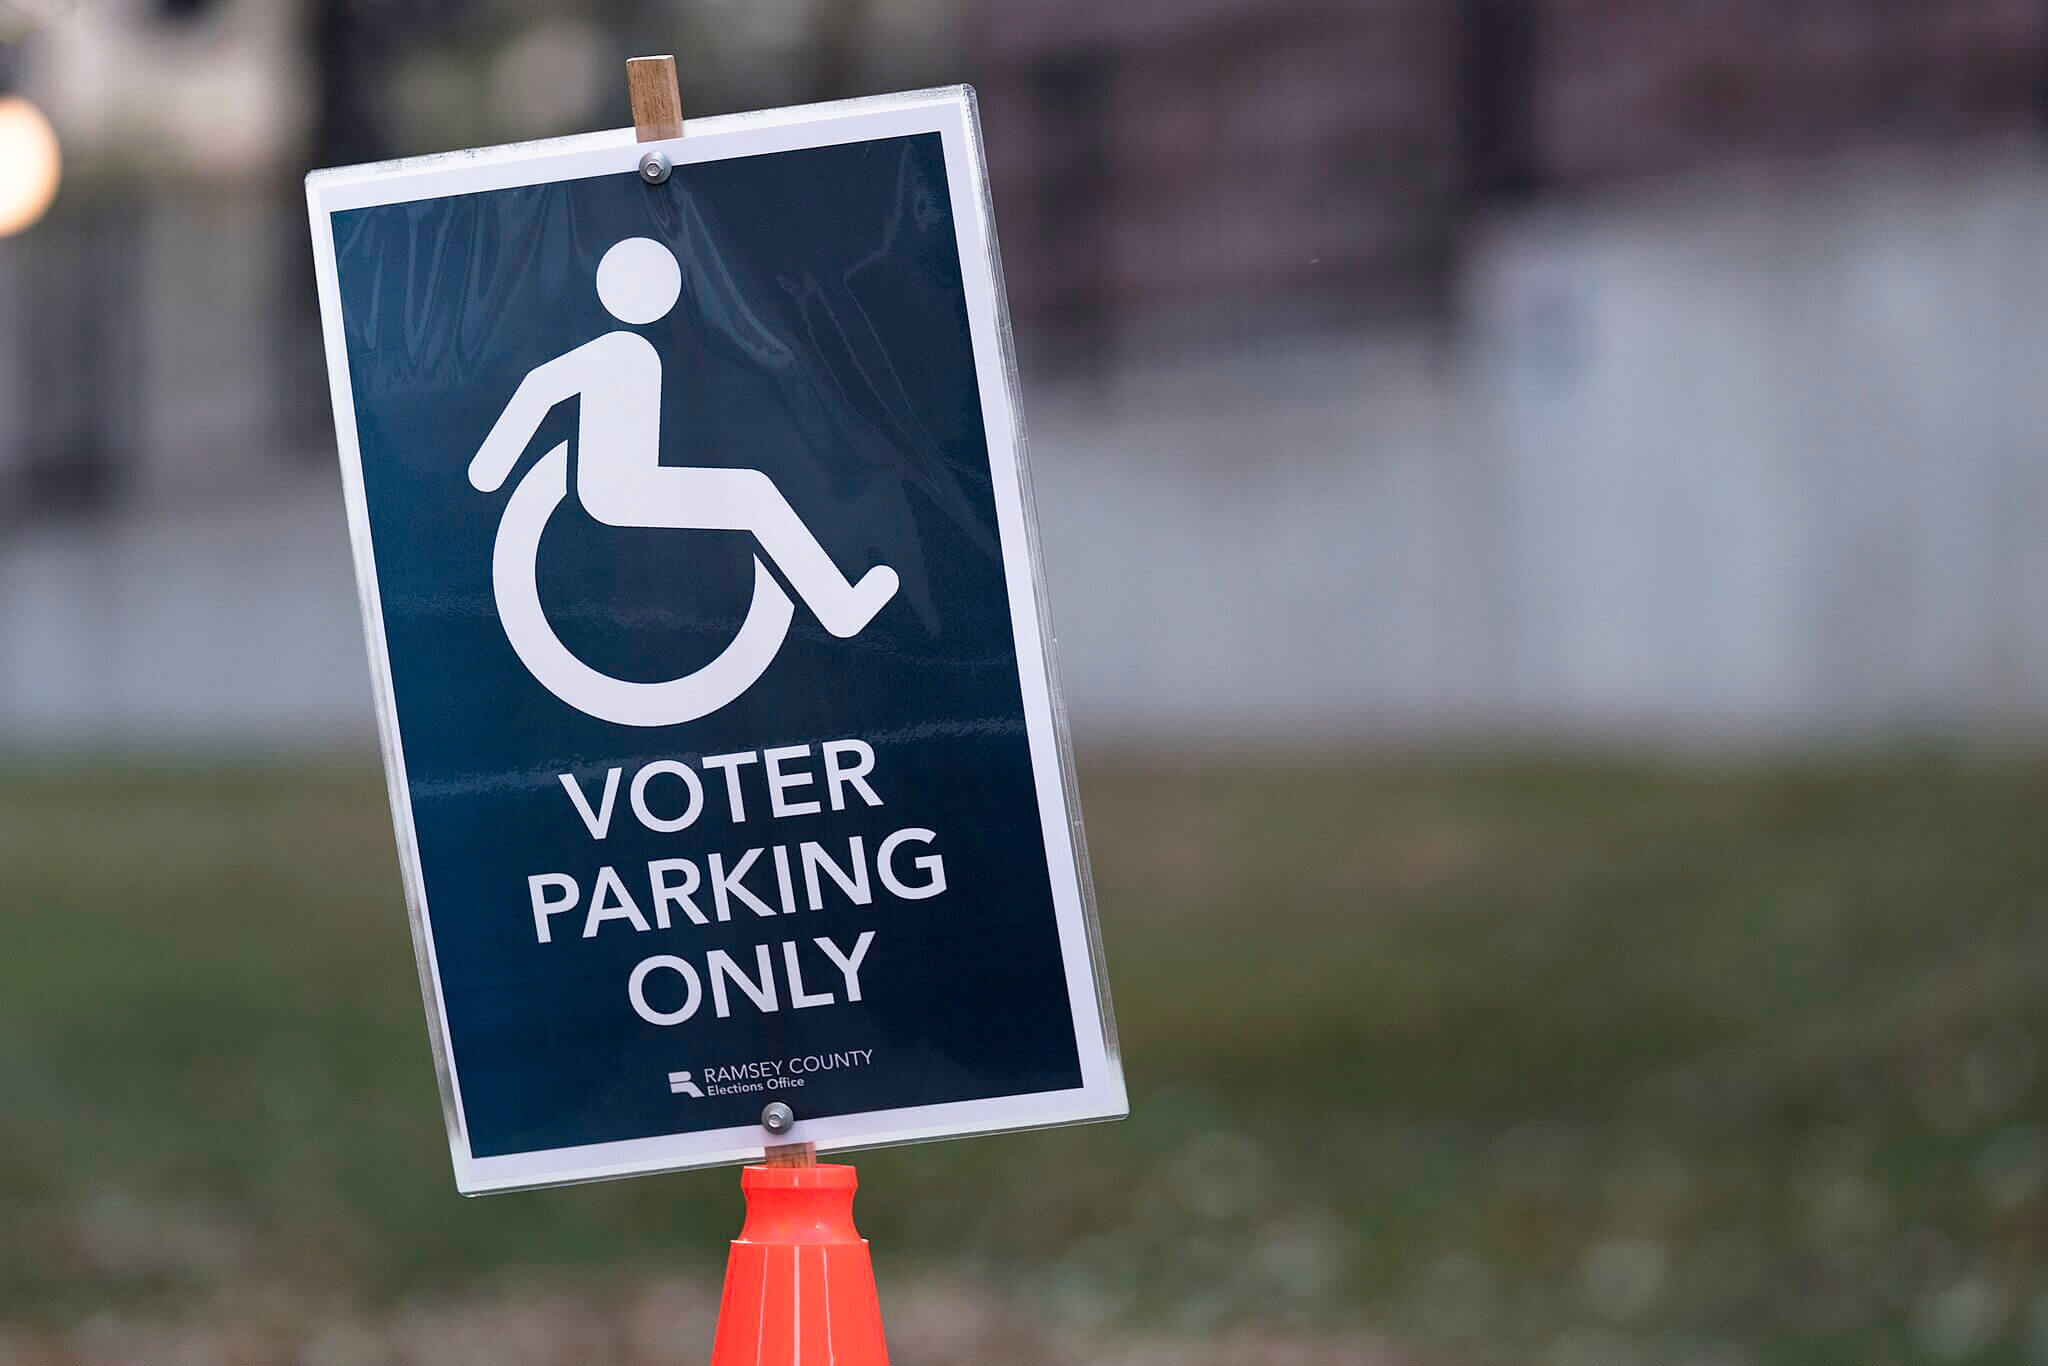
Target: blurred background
point(1546, 509)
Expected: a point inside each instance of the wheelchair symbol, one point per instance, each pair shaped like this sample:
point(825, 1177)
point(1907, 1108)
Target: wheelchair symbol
point(621, 482)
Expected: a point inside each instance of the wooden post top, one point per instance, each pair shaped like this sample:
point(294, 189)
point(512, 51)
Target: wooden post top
point(657, 102)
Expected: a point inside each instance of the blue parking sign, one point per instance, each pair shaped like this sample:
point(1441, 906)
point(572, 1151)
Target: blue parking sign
point(711, 656)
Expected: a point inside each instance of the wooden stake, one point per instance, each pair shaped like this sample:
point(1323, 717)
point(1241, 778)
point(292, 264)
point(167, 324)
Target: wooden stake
point(657, 103)
point(658, 116)
point(791, 1155)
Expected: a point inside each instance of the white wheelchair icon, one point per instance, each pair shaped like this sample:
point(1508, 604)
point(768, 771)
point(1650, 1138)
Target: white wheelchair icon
point(621, 482)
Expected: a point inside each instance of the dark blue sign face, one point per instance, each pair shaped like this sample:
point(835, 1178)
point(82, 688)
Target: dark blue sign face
point(697, 607)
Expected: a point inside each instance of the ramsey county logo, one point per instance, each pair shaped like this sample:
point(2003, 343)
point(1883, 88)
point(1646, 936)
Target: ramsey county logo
point(621, 481)
point(767, 1074)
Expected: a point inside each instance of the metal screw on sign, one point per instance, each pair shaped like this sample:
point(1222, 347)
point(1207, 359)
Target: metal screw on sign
point(777, 1117)
point(654, 168)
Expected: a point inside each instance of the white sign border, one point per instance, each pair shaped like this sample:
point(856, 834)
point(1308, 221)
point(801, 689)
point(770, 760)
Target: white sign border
point(949, 112)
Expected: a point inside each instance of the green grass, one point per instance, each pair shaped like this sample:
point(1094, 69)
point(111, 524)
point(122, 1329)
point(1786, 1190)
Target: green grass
point(1518, 1061)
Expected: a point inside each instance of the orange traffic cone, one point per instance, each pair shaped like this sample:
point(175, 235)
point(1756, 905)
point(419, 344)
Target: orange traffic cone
point(799, 1288)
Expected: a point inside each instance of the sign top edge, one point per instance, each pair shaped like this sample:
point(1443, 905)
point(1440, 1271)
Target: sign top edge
point(704, 126)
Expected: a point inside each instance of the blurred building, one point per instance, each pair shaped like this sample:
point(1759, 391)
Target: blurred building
point(1655, 86)
point(1274, 157)
point(1282, 159)
point(1660, 372)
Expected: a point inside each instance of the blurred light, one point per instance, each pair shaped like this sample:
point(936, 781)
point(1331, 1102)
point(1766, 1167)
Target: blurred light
point(29, 164)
